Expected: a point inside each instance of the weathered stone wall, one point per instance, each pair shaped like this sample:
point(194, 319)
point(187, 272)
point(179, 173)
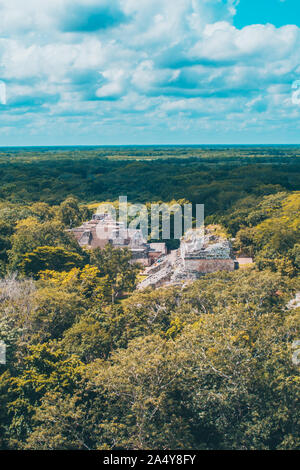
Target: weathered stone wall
point(206, 266)
point(97, 242)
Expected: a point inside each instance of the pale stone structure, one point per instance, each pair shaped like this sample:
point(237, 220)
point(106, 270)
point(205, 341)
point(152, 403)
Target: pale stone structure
point(201, 252)
point(103, 229)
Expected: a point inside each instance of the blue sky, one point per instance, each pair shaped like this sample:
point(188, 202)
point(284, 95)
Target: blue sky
point(277, 12)
point(104, 72)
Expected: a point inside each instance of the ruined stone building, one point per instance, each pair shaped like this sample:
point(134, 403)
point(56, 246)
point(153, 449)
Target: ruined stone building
point(102, 229)
point(200, 253)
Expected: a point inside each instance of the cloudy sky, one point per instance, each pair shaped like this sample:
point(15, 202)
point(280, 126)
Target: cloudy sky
point(149, 72)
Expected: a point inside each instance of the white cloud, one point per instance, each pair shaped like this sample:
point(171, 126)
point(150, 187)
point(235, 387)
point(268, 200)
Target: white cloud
point(222, 41)
point(53, 60)
point(115, 84)
point(2, 93)
point(162, 58)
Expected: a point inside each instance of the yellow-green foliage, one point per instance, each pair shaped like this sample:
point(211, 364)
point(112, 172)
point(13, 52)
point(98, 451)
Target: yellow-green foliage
point(218, 230)
point(205, 366)
point(87, 282)
point(274, 241)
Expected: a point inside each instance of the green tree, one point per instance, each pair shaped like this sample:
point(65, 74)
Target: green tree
point(31, 234)
point(116, 265)
point(49, 258)
point(44, 369)
point(71, 214)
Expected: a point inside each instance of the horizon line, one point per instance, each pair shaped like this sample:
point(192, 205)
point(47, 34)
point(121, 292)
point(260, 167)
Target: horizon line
point(151, 145)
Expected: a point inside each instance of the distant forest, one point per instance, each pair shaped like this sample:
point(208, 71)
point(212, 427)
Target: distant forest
point(214, 176)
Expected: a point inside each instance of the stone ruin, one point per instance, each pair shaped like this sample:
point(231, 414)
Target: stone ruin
point(201, 251)
point(103, 230)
